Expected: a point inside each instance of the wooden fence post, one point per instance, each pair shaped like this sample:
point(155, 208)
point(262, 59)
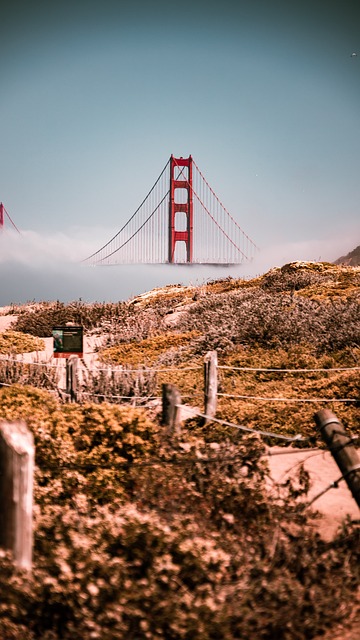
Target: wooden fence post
point(170, 412)
point(71, 377)
point(17, 453)
point(210, 384)
point(343, 452)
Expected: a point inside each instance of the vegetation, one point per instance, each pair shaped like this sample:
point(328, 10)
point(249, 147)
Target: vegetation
point(119, 385)
point(12, 342)
point(149, 350)
point(38, 319)
point(38, 374)
point(139, 535)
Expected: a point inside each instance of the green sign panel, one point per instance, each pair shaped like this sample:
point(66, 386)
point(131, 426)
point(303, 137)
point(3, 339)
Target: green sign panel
point(68, 340)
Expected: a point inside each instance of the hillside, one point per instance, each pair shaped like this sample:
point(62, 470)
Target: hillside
point(144, 534)
point(351, 259)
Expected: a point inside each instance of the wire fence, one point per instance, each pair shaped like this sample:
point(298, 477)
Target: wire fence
point(138, 386)
point(269, 370)
point(112, 378)
point(281, 399)
point(268, 434)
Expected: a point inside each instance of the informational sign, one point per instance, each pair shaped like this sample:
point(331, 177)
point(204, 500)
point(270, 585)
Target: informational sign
point(68, 341)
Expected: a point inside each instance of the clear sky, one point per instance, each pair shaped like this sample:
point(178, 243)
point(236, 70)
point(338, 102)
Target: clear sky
point(95, 96)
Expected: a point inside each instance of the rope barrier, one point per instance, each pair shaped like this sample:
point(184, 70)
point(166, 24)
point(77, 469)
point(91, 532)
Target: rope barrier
point(263, 370)
point(35, 364)
point(228, 395)
point(334, 484)
point(268, 434)
point(286, 452)
point(196, 368)
point(148, 370)
point(109, 395)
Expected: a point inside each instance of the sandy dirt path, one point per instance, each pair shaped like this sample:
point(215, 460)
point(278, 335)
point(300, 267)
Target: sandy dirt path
point(334, 505)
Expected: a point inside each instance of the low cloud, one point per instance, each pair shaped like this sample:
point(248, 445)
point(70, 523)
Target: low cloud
point(314, 250)
point(31, 247)
point(48, 267)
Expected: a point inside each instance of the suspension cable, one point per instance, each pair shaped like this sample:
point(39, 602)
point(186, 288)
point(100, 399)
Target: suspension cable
point(223, 207)
point(130, 219)
point(218, 225)
point(208, 212)
point(11, 220)
point(135, 232)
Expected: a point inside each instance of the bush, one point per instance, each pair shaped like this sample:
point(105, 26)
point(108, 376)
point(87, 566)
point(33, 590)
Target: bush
point(255, 318)
point(39, 319)
point(12, 342)
point(139, 537)
point(149, 350)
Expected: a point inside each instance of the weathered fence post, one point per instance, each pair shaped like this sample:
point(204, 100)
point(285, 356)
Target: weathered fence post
point(210, 384)
point(170, 412)
point(17, 454)
point(71, 377)
point(344, 453)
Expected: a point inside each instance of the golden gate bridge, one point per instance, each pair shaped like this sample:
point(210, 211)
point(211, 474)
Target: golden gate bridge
point(180, 221)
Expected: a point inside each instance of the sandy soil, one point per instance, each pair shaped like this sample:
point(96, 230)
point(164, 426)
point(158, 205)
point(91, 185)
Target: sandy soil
point(6, 321)
point(336, 504)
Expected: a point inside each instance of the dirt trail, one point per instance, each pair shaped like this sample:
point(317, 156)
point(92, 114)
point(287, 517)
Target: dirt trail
point(336, 504)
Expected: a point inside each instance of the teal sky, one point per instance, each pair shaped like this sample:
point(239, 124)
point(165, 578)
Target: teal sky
point(95, 96)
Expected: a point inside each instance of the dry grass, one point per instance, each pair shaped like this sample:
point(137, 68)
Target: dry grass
point(12, 342)
point(288, 418)
point(147, 352)
point(39, 375)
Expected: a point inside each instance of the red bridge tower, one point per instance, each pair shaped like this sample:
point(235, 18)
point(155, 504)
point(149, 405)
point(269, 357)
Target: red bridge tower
point(181, 178)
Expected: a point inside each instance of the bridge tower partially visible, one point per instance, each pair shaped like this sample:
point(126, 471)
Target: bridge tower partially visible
point(181, 173)
point(4, 214)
